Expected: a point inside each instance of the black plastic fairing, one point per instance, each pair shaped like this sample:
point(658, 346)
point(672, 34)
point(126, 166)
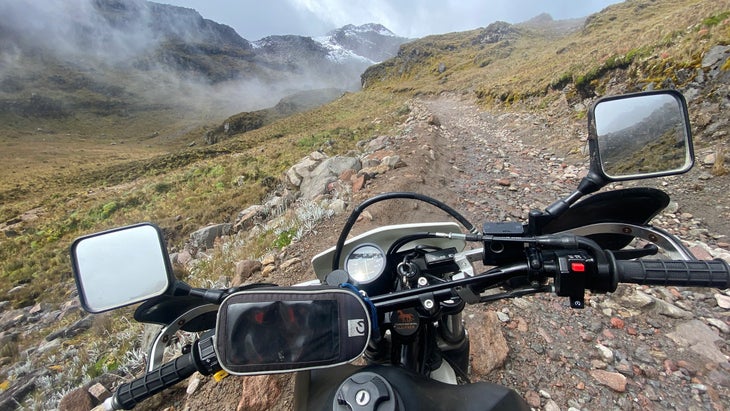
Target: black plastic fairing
point(631, 206)
point(165, 309)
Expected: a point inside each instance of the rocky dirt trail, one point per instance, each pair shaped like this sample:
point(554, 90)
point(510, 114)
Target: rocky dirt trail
point(643, 348)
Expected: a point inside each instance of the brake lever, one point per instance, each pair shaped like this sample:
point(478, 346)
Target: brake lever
point(516, 293)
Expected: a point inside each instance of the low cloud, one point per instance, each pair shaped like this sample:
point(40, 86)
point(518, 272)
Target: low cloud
point(106, 46)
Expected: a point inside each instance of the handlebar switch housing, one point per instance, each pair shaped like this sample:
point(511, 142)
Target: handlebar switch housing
point(574, 268)
point(207, 360)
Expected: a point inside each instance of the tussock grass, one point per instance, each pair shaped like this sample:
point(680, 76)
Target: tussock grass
point(653, 41)
point(719, 168)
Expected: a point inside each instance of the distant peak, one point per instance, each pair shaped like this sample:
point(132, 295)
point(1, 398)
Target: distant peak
point(545, 21)
point(541, 18)
point(364, 28)
point(370, 41)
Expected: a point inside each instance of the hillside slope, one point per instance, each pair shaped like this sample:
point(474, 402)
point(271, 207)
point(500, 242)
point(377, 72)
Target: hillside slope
point(654, 43)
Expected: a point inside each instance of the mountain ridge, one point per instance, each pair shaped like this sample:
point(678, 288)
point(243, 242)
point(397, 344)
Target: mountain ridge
point(118, 58)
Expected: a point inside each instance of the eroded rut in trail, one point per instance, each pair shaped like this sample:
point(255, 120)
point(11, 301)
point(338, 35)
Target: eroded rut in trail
point(636, 349)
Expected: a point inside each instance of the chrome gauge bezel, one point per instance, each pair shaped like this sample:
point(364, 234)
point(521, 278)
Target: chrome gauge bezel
point(370, 275)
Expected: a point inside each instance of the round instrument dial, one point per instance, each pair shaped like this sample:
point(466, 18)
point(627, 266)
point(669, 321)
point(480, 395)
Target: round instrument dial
point(365, 263)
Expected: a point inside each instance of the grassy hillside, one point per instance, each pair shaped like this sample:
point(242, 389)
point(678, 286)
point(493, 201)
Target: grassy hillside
point(181, 190)
point(654, 41)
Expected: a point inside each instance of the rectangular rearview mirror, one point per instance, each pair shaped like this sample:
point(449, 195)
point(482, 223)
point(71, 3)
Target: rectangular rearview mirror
point(641, 135)
point(120, 267)
point(264, 331)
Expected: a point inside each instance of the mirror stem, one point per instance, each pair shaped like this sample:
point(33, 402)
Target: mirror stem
point(213, 296)
point(588, 185)
point(180, 288)
point(557, 208)
point(591, 183)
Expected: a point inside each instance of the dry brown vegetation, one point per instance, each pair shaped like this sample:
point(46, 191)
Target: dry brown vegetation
point(652, 40)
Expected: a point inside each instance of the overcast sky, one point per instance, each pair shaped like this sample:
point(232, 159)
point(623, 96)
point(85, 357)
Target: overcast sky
point(255, 19)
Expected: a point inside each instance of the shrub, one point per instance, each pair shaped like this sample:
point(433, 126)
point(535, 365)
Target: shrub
point(716, 19)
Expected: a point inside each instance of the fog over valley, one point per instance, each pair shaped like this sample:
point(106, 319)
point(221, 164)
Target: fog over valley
point(109, 55)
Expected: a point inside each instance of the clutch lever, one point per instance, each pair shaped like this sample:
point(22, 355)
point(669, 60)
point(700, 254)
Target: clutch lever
point(649, 249)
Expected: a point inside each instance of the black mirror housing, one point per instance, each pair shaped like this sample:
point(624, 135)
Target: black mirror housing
point(640, 135)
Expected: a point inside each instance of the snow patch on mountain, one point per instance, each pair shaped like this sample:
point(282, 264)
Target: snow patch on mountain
point(339, 54)
point(371, 43)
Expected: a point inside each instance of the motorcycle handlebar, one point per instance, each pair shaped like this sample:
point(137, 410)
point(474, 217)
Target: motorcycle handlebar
point(130, 394)
point(712, 273)
point(201, 357)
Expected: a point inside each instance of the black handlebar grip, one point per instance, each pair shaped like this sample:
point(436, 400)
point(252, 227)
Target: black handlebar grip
point(703, 273)
point(130, 394)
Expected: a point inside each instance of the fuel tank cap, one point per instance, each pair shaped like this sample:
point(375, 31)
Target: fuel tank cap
point(365, 391)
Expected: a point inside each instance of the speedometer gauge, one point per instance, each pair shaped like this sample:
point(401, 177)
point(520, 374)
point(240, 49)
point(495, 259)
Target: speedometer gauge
point(365, 263)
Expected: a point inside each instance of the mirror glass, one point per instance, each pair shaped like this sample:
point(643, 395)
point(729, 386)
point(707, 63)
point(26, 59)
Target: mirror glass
point(120, 267)
point(643, 135)
point(281, 330)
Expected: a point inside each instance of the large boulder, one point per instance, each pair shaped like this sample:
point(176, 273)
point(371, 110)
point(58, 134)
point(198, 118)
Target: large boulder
point(325, 173)
point(205, 237)
point(301, 170)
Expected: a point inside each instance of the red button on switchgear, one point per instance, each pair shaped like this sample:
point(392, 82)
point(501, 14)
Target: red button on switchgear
point(577, 267)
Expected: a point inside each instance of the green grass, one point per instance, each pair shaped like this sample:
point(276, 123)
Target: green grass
point(716, 19)
point(180, 190)
point(650, 41)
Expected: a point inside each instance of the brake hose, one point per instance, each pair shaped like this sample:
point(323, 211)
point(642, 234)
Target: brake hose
point(392, 196)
